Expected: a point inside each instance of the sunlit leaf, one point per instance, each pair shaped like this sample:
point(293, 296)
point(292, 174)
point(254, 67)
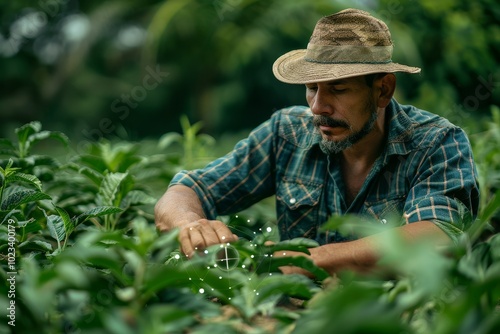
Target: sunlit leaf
point(22, 197)
point(26, 178)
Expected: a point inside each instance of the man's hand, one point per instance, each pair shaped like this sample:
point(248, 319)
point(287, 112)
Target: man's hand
point(203, 233)
point(180, 208)
point(292, 269)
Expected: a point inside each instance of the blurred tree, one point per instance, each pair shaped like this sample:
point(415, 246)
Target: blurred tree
point(131, 68)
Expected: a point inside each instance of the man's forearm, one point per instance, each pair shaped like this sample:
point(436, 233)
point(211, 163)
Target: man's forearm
point(178, 206)
point(363, 254)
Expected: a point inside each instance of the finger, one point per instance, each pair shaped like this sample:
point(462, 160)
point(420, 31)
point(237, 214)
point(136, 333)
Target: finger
point(186, 246)
point(209, 233)
point(223, 232)
point(197, 240)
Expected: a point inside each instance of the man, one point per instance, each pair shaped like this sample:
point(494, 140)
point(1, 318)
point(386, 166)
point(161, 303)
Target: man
point(354, 150)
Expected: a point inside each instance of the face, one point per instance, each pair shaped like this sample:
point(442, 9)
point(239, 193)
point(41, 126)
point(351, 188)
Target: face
point(344, 112)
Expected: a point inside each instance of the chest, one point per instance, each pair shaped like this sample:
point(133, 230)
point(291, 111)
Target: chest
point(353, 179)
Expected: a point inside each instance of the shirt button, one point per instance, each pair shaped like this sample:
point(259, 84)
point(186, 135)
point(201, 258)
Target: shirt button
point(292, 200)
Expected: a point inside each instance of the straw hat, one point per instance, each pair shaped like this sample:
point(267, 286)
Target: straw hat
point(346, 44)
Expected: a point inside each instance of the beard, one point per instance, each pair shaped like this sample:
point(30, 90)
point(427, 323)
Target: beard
point(331, 147)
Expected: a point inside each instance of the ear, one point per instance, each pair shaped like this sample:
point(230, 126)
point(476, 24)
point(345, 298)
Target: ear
point(384, 89)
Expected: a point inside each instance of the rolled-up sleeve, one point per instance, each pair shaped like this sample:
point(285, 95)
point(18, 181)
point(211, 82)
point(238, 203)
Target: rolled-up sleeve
point(239, 179)
point(445, 189)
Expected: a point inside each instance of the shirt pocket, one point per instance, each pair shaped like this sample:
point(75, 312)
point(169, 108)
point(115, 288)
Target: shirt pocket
point(386, 208)
point(298, 208)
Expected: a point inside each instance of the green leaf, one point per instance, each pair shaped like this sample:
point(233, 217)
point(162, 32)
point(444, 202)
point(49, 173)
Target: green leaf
point(168, 139)
point(27, 130)
point(22, 197)
point(7, 152)
point(68, 224)
point(355, 308)
point(136, 197)
point(42, 160)
point(94, 162)
point(95, 212)
point(27, 178)
point(35, 246)
point(164, 245)
point(349, 223)
point(36, 137)
point(8, 143)
point(56, 228)
point(272, 264)
point(95, 256)
point(110, 188)
point(166, 319)
point(295, 244)
point(297, 286)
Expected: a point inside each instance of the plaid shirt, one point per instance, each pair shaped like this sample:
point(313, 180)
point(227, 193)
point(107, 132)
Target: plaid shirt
point(425, 172)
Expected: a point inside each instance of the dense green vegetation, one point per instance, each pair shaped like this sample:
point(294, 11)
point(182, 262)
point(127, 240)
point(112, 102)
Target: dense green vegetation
point(80, 254)
point(110, 80)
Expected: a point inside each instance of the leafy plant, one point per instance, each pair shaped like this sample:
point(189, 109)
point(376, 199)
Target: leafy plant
point(88, 258)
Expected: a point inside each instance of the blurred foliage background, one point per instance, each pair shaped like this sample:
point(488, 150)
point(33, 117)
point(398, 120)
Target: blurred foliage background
point(128, 69)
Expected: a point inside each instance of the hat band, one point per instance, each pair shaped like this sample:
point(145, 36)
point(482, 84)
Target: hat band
point(348, 54)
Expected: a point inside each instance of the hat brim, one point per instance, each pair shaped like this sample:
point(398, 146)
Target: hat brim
point(292, 68)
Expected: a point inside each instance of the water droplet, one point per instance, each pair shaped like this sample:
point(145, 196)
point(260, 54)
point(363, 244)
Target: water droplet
point(208, 267)
point(257, 293)
point(243, 266)
point(202, 290)
point(220, 277)
point(269, 229)
point(284, 253)
point(177, 256)
point(223, 238)
point(252, 256)
point(206, 251)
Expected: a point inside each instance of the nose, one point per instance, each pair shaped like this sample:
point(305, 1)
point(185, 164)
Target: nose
point(318, 102)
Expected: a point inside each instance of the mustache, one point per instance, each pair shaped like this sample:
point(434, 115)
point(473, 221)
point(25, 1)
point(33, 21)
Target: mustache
point(319, 120)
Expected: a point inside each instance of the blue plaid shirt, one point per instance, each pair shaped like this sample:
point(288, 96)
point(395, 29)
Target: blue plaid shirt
point(426, 172)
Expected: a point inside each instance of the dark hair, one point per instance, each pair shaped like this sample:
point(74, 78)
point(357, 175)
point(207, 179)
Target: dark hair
point(370, 78)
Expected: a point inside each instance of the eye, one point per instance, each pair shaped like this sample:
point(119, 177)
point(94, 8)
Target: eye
point(311, 87)
point(337, 90)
